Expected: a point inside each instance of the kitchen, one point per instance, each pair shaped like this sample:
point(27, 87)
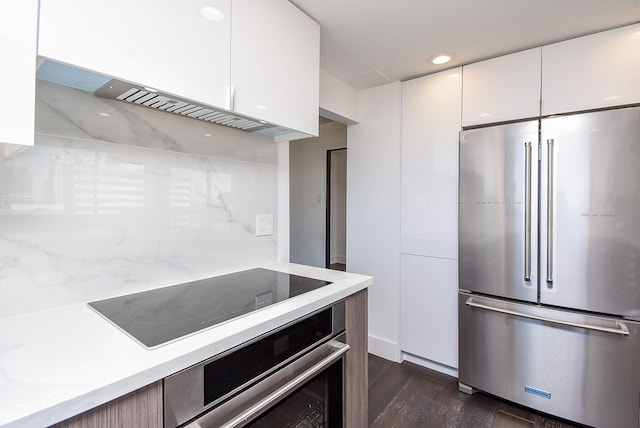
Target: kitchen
point(374, 168)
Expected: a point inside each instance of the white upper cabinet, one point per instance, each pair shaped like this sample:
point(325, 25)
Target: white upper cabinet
point(179, 47)
point(502, 89)
point(18, 41)
point(429, 177)
point(275, 63)
point(599, 70)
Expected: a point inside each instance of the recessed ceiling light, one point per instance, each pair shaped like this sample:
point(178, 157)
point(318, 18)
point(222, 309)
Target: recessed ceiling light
point(103, 114)
point(207, 135)
point(211, 13)
point(440, 59)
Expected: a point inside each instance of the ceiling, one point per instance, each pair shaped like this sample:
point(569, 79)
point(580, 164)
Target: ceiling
point(366, 43)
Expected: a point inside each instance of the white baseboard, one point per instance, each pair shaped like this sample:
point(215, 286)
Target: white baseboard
point(384, 348)
point(451, 371)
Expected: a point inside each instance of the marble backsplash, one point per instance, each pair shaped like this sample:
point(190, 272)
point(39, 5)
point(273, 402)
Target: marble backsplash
point(115, 198)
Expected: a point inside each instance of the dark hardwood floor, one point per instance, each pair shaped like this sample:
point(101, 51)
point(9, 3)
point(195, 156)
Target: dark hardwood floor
point(338, 266)
point(408, 395)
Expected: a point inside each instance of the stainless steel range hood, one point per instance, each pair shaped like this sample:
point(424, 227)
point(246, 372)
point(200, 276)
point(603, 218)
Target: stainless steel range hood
point(134, 94)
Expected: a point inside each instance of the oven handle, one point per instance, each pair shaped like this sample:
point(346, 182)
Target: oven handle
point(336, 350)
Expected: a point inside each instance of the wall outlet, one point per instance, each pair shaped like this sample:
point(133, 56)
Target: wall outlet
point(264, 224)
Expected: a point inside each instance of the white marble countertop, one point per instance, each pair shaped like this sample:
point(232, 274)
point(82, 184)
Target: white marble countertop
point(60, 362)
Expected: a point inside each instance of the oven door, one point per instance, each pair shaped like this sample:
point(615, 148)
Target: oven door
point(307, 392)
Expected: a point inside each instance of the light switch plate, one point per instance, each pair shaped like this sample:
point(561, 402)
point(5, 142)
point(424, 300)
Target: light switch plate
point(264, 224)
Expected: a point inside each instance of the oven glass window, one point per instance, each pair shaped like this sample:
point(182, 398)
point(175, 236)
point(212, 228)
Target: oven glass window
point(254, 361)
point(317, 404)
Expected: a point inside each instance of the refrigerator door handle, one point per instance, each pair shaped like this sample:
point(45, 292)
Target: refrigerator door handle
point(527, 211)
point(621, 328)
point(550, 213)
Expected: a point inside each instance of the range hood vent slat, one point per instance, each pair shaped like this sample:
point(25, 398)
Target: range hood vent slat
point(132, 98)
point(210, 116)
point(200, 113)
point(176, 106)
point(184, 108)
point(145, 98)
point(127, 92)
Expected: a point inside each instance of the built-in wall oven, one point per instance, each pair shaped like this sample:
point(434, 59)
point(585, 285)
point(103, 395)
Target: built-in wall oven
point(290, 377)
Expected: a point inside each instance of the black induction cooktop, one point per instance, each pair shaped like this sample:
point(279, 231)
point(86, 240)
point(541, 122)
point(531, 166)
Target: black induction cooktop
point(159, 316)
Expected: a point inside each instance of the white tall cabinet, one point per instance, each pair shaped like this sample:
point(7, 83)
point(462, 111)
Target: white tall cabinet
point(595, 71)
point(18, 41)
point(431, 108)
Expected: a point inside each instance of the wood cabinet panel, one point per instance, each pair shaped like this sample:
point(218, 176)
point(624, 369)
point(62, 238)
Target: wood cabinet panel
point(141, 408)
point(356, 370)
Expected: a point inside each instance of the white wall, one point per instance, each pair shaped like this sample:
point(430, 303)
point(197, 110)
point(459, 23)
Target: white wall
point(373, 210)
point(338, 101)
point(283, 202)
point(307, 187)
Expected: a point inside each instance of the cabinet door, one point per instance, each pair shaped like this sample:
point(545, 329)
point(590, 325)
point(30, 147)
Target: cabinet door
point(178, 47)
point(428, 308)
point(275, 64)
point(502, 89)
point(599, 70)
point(18, 36)
point(429, 191)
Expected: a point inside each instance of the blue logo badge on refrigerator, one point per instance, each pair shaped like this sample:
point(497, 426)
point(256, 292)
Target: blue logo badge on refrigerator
point(538, 392)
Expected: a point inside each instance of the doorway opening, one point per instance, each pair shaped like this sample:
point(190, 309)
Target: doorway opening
point(310, 212)
point(336, 210)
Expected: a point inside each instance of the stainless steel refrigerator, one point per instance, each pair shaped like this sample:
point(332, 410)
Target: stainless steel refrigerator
point(549, 265)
